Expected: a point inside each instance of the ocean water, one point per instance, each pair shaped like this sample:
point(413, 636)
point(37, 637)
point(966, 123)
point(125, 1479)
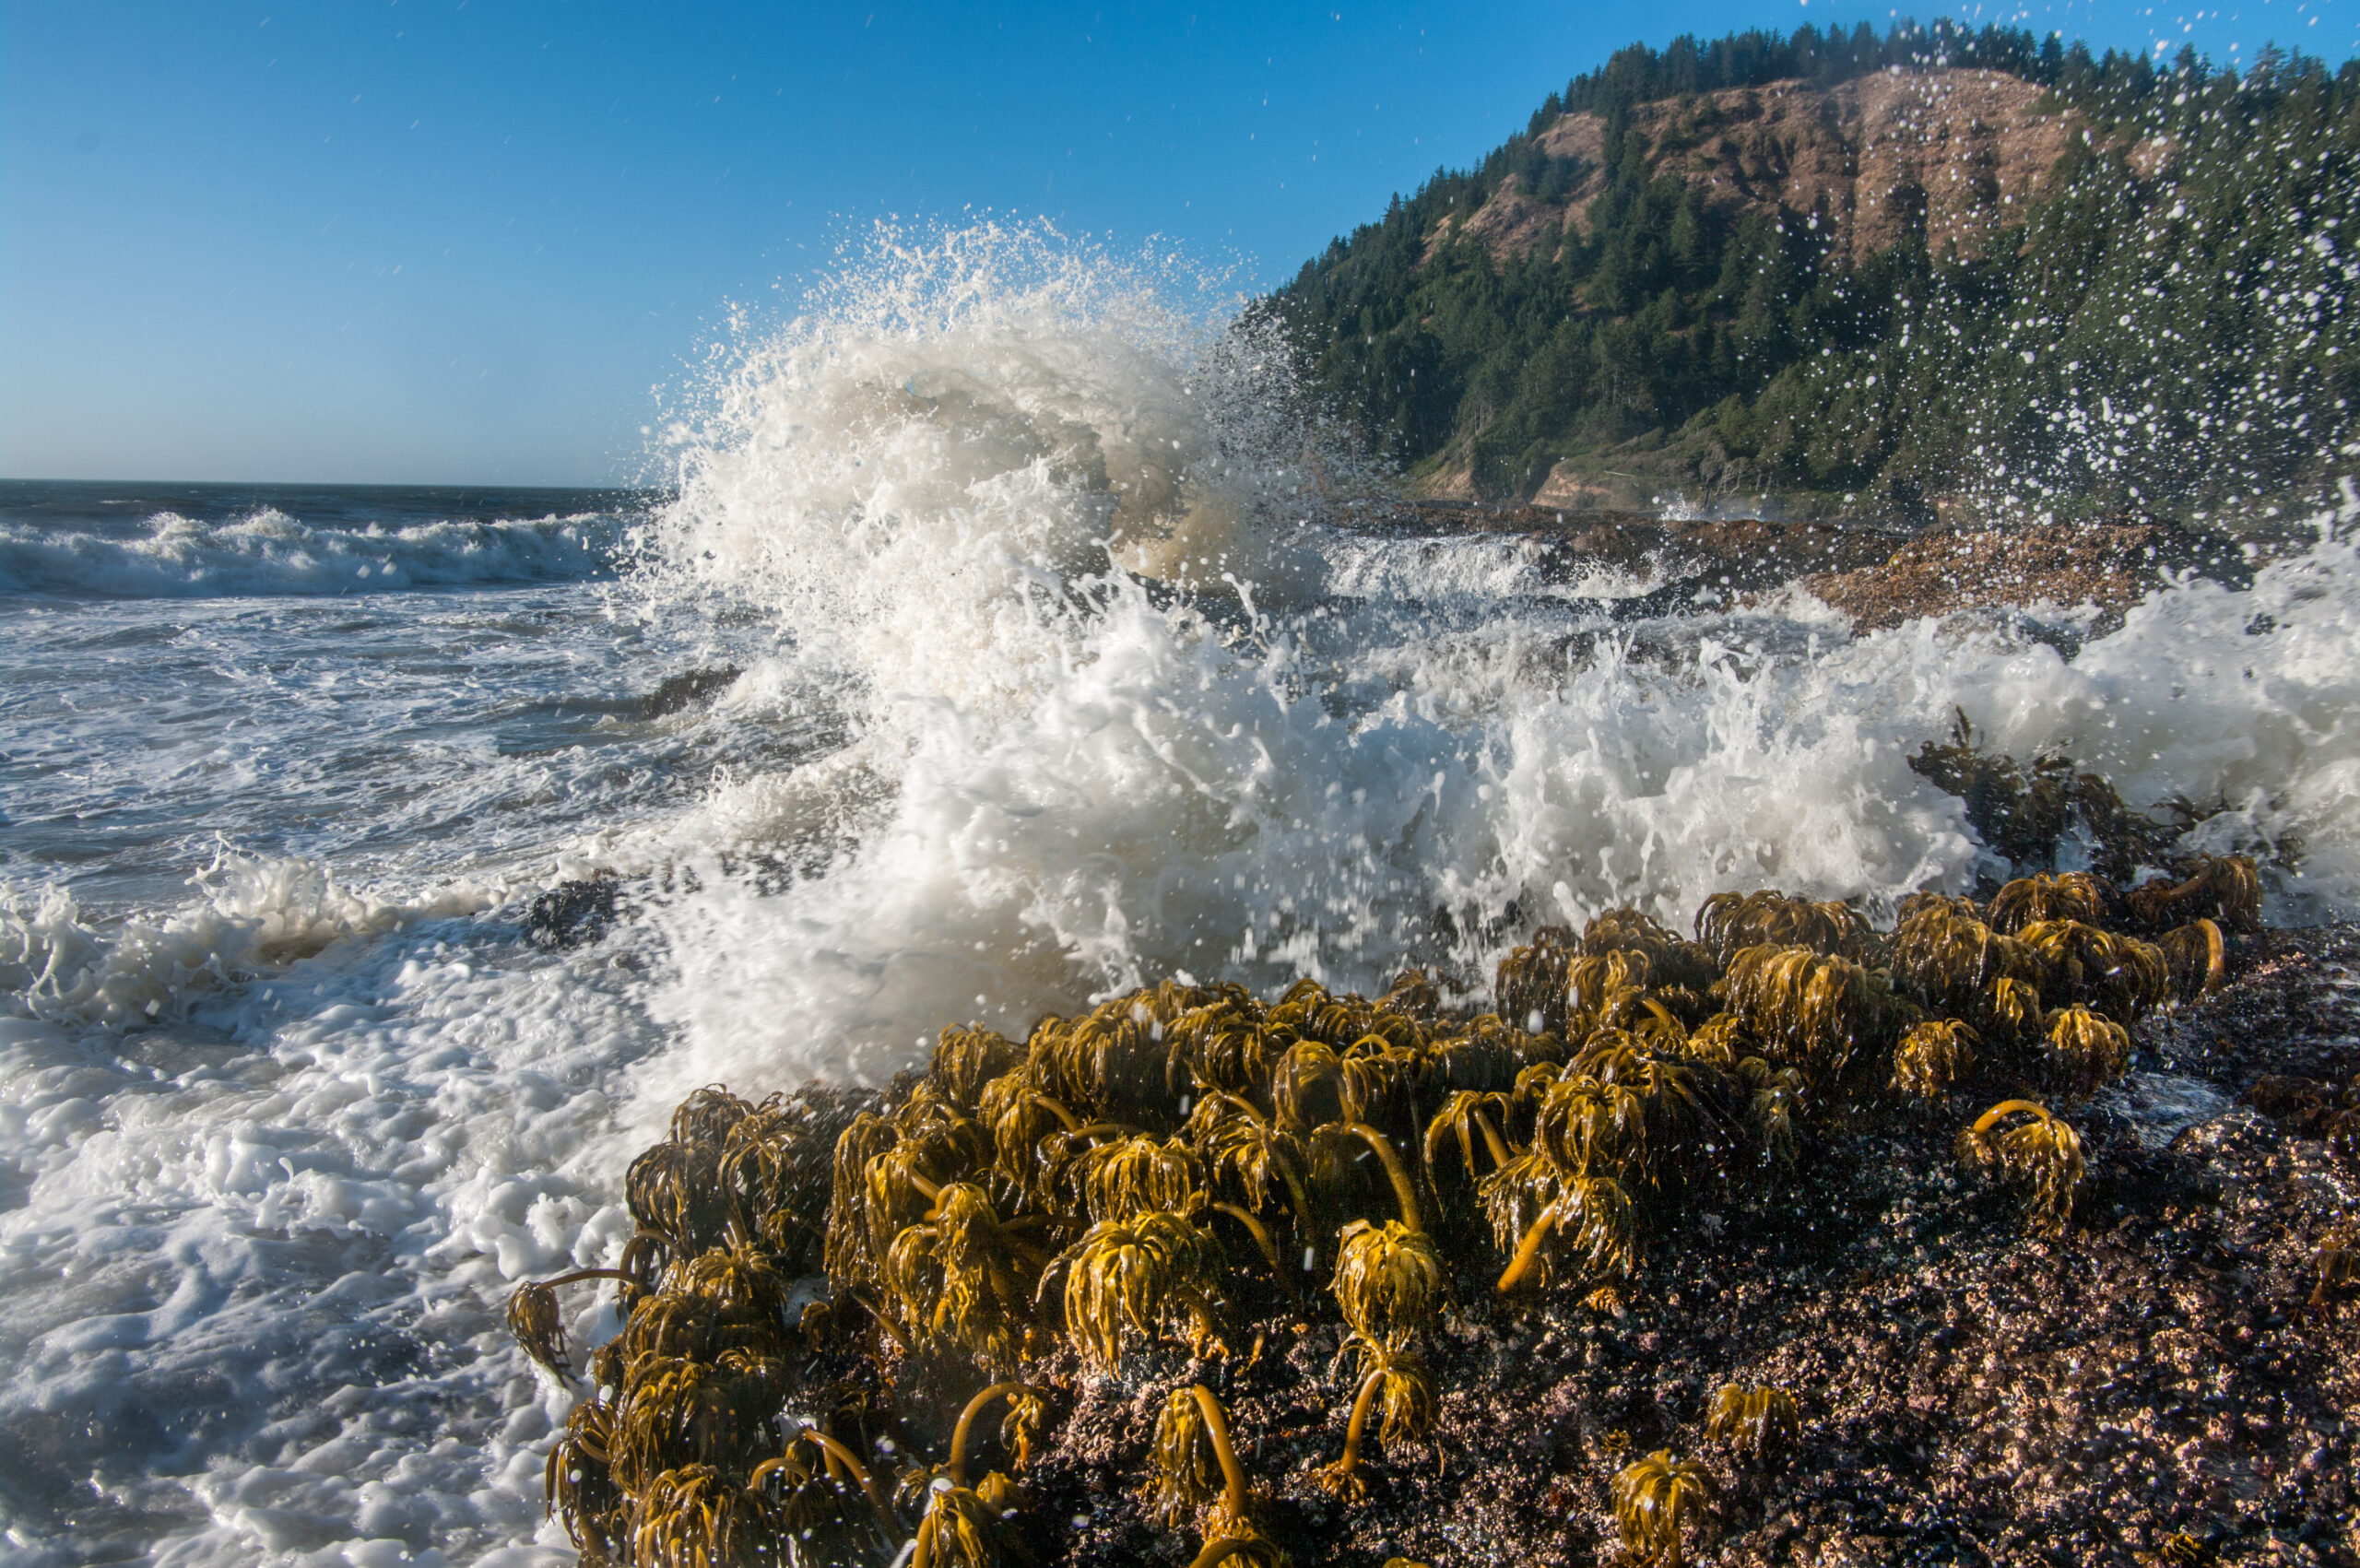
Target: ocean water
point(1036, 660)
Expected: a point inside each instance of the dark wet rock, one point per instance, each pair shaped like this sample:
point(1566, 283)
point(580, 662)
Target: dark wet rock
point(1879, 574)
point(1945, 572)
point(1737, 555)
point(572, 913)
point(686, 690)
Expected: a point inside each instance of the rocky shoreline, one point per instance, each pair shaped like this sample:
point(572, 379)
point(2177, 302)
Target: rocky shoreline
point(1880, 574)
point(2155, 1387)
point(2172, 1377)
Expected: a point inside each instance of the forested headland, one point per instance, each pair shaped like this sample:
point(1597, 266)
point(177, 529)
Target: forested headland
point(1888, 273)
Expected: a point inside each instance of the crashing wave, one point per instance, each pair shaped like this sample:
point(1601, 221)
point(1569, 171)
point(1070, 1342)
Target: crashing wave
point(268, 553)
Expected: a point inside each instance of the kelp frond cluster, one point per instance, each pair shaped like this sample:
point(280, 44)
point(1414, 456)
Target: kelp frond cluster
point(1660, 1503)
point(1756, 1422)
point(826, 1285)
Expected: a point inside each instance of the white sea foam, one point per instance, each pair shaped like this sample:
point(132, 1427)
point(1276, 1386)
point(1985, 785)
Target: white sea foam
point(1477, 569)
point(254, 914)
point(268, 552)
point(1171, 802)
point(259, 1233)
point(273, 1279)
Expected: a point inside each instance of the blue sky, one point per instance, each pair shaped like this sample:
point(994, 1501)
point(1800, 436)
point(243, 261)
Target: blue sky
point(463, 240)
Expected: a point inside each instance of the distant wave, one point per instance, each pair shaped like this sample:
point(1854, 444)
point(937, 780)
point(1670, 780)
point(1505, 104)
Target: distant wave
point(267, 552)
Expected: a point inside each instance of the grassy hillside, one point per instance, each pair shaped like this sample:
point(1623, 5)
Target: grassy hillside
point(1882, 271)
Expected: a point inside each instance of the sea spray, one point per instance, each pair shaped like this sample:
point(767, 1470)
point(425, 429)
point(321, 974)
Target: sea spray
point(1065, 777)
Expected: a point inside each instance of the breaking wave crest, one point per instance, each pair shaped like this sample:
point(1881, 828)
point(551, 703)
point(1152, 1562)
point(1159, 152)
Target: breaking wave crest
point(253, 914)
point(921, 479)
point(267, 552)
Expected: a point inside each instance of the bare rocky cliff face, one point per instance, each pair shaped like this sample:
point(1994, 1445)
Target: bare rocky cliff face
point(1970, 145)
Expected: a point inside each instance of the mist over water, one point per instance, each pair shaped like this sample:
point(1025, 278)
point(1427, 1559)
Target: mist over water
point(1056, 670)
